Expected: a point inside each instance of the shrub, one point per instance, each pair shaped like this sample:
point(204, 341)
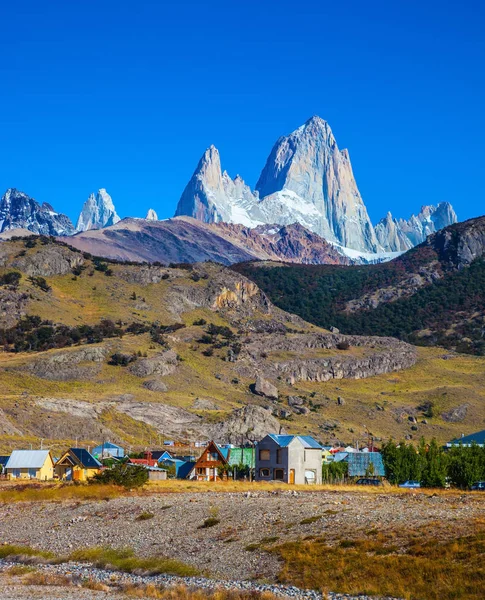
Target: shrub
point(40, 282)
point(11, 278)
point(128, 476)
point(121, 360)
point(343, 345)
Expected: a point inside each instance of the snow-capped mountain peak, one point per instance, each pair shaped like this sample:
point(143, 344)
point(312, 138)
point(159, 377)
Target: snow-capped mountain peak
point(18, 210)
point(97, 212)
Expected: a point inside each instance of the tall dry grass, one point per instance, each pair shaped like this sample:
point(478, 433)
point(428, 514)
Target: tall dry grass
point(58, 492)
point(405, 568)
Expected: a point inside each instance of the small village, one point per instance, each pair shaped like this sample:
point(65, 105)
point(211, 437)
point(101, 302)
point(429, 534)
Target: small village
point(290, 459)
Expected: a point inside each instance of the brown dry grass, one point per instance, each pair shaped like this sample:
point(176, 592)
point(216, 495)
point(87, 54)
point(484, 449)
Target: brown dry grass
point(410, 566)
point(183, 593)
point(60, 492)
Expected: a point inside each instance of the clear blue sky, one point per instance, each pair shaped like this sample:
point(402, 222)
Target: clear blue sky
point(127, 95)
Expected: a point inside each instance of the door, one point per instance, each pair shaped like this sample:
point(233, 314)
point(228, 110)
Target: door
point(292, 475)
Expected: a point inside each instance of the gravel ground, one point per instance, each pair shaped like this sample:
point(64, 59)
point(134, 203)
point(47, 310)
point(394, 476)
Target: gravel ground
point(245, 518)
point(81, 572)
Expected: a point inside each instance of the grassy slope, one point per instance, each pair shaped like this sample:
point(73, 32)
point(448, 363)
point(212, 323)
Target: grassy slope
point(448, 383)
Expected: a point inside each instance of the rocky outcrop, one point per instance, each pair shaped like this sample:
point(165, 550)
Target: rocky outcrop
point(17, 210)
point(381, 355)
point(161, 364)
point(456, 415)
point(265, 388)
point(151, 215)
point(13, 305)
point(459, 245)
point(49, 260)
point(67, 365)
point(97, 212)
point(155, 385)
point(251, 423)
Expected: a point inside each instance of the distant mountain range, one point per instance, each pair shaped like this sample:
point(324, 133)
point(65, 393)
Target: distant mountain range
point(306, 196)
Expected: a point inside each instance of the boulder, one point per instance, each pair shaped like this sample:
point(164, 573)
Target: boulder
point(295, 401)
point(265, 388)
point(154, 385)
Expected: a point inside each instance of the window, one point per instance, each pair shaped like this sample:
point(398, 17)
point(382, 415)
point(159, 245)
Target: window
point(32, 473)
point(264, 455)
point(279, 474)
point(212, 457)
point(264, 472)
point(310, 476)
point(278, 456)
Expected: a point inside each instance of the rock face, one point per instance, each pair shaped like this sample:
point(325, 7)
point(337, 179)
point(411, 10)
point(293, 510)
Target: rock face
point(212, 196)
point(151, 215)
point(308, 180)
point(399, 235)
point(162, 364)
point(17, 210)
point(309, 166)
point(379, 355)
point(460, 244)
point(248, 423)
point(97, 212)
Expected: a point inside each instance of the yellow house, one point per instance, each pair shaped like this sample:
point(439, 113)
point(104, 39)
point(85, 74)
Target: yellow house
point(327, 456)
point(77, 464)
point(30, 464)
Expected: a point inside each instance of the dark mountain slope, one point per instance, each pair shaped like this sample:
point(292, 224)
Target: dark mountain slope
point(432, 295)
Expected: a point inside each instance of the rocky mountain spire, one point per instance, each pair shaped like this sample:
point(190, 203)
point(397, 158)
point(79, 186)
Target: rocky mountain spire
point(151, 215)
point(18, 210)
point(309, 164)
point(212, 196)
point(97, 212)
point(390, 235)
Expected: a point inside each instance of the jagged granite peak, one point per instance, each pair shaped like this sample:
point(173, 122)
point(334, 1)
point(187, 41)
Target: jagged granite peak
point(151, 215)
point(429, 220)
point(306, 180)
point(390, 235)
point(97, 212)
point(212, 196)
point(18, 210)
point(308, 166)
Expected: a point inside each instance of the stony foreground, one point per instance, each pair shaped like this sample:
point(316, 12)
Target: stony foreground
point(229, 550)
point(114, 582)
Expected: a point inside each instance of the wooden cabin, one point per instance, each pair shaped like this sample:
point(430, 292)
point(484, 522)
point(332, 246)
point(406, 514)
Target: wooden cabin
point(212, 459)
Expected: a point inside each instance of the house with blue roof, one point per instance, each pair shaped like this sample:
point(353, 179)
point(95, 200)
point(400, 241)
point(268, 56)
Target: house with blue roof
point(289, 458)
point(108, 450)
point(466, 441)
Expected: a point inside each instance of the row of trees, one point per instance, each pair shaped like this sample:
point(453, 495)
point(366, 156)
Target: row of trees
point(431, 465)
point(31, 333)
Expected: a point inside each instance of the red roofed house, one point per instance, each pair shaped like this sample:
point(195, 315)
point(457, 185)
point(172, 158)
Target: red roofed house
point(146, 461)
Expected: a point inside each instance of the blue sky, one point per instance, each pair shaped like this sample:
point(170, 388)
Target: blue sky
point(127, 96)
